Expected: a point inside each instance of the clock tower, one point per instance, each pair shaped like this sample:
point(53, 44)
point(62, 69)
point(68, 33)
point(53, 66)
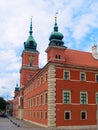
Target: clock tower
point(30, 59)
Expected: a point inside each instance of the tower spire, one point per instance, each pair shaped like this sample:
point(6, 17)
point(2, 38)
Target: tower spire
point(30, 32)
point(55, 25)
point(30, 44)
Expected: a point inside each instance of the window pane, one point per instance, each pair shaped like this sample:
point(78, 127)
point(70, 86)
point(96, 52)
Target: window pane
point(82, 76)
point(66, 97)
point(83, 98)
point(66, 75)
point(97, 98)
point(96, 78)
point(83, 115)
point(67, 115)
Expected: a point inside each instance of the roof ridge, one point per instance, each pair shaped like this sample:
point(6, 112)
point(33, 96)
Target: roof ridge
point(79, 50)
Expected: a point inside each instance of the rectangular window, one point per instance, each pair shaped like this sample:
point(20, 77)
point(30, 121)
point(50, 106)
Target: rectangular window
point(83, 97)
point(41, 80)
point(66, 75)
point(66, 97)
point(32, 101)
point(96, 77)
point(97, 98)
point(58, 56)
point(82, 76)
point(41, 115)
point(83, 115)
point(67, 115)
point(41, 99)
point(45, 115)
point(45, 98)
point(37, 101)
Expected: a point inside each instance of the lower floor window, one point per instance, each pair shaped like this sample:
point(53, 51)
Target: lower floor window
point(83, 115)
point(67, 115)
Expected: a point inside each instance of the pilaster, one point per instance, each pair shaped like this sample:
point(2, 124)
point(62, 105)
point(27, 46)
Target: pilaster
point(51, 96)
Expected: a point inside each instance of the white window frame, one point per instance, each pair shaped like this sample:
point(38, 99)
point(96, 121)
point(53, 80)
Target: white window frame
point(85, 115)
point(67, 91)
point(69, 116)
point(84, 92)
point(64, 74)
point(84, 76)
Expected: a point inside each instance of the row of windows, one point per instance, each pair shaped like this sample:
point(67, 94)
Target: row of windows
point(37, 82)
point(83, 115)
point(36, 114)
point(38, 100)
point(43, 115)
point(82, 76)
point(83, 97)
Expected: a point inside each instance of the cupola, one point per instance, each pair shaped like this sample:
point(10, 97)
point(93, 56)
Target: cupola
point(56, 37)
point(16, 88)
point(30, 44)
point(56, 49)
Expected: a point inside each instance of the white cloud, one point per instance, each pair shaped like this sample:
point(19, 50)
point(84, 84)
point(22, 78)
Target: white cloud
point(76, 19)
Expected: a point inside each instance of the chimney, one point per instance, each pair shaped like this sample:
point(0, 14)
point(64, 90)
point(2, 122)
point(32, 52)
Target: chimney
point(94, 52)
point(94, 49)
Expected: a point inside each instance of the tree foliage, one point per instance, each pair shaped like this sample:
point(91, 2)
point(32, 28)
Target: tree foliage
point(2, 104)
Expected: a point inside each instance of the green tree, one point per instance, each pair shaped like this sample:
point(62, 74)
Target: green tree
point(2, 104)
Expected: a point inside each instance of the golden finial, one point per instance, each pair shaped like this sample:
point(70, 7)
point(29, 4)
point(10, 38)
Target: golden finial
point(56, 17)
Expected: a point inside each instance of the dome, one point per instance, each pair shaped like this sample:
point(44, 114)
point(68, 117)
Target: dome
point(31, 39)
point(56, 38)
point(17, 88)
point(30, 44)
point(56, 35)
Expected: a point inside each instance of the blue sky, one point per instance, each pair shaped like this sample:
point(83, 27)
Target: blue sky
point(77, 20)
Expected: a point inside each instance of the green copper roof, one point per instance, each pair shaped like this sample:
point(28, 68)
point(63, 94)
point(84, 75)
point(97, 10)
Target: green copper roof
point(56, 37)
point(30, 44)
point(17, 88)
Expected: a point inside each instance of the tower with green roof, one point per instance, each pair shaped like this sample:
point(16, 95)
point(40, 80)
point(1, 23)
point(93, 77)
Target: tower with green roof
point(16, 89)
point(30, 44)
point(30, 59)
point(56, 48)
point(56, 36)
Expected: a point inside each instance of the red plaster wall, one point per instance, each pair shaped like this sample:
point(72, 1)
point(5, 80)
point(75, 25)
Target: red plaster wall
point(75, 86)
point(25, 60)
point(34, 91)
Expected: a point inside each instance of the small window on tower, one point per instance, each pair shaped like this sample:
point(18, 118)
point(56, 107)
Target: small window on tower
point(58, 56)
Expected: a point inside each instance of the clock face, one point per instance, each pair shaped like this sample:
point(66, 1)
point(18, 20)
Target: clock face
point(31, 58)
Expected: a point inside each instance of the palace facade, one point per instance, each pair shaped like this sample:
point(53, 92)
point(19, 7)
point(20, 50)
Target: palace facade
point(64, 93)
